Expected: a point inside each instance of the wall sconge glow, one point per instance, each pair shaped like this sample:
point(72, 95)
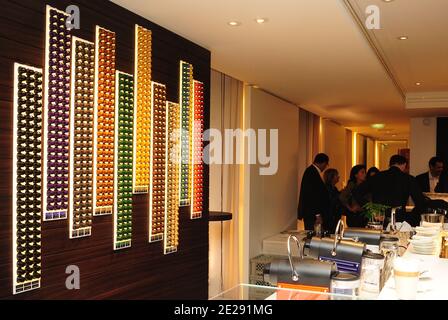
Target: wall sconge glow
point(124, 131)
point(171, 236)
point(377, 155)
point(81, 139)
point(26, 199)
point(158, 163)
point(186, 106)
point(198, 167)
point(56, 120)
point(378, 126)
point(142, 113)
point(355, 149)
point(103, 181)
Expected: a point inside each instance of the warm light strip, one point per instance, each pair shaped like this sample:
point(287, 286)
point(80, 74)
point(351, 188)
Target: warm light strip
point(81, 138)
point(171, 235)
point(104, 133)
point(355, 149)
point(56, 115)
point(142, 109)
point(377, 155)
point(27, 178)
point(123, 159)
point(198, 166)
point(186, 106)
point(158, 163)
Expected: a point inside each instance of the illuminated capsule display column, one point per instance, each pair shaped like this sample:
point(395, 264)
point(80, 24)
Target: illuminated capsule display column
point(158, 163)
point(104, 122)
point(124, 130)
point(198, 166)
point(27, 207)
point(142, 113)
point(186, 105)
point(56, 120)
point(171, 238)
point(81, 139)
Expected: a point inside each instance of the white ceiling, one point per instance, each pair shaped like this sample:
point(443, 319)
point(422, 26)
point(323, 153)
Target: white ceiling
point(313, 53)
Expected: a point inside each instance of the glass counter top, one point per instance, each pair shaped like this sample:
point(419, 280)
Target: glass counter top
point(254, 292)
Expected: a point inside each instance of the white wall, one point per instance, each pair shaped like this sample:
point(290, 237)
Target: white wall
point(274, 199)
point(423, 143)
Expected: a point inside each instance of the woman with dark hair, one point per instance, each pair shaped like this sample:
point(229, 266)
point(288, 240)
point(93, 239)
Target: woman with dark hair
point(353, 210)
point(372, 171)
point(331, 178)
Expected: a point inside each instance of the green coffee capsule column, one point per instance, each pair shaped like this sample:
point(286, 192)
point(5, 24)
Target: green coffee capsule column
point(124, 132)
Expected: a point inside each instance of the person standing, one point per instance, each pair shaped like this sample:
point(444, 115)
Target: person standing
point(353, 210)
point(429, 181)
point(393, 188)
point(314, 198)
point(331, 178)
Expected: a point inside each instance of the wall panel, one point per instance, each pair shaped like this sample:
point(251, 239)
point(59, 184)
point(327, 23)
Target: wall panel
point(139, 272)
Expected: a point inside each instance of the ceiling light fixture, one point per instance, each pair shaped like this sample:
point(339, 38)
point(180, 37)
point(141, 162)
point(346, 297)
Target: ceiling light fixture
point(418, 83)
point(388, 0)
point(403, 38)
point(234, 23)
point(378, 126)
point(261, 20)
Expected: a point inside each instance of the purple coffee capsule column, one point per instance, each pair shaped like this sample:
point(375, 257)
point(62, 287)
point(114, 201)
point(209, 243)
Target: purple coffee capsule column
point(56, 115)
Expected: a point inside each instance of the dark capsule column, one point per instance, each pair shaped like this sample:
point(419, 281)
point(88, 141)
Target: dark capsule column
point(27, 178)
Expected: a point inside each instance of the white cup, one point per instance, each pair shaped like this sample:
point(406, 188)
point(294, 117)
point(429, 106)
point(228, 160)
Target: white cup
point(406, 274)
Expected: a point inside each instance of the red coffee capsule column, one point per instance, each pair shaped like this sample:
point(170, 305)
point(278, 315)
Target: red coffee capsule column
point(198, 146)
point(157, 190)
point(26, 193)
point(56, 115)
point(103, 150)
point(81, 138)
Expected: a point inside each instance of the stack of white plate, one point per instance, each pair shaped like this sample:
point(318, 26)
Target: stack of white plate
point(426, 241)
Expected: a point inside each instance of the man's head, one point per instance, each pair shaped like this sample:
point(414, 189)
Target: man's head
point(321, 161)
point(399, 162)
point(436, 166)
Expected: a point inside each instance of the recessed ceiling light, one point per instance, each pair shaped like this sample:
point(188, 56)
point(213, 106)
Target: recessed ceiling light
point(418, 83)
point(403, 38)
point(378, 126)
point(234, 23)
point(261, 20)
point(388, 0)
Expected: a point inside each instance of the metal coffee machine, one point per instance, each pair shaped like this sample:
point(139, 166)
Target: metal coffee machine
point(345, 252)
point(300, 273)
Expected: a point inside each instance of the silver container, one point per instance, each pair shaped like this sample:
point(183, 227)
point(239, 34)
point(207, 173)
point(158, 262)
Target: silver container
point(347, 284)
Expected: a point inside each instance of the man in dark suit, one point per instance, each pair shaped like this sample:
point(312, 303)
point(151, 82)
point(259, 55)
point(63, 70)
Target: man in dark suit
point(393, 188)
point(429, 181)
point(314, 199)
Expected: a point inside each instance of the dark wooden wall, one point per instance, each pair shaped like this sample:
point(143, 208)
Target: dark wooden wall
point(141, 272)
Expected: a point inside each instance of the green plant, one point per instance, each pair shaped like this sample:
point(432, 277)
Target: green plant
point(375, 211)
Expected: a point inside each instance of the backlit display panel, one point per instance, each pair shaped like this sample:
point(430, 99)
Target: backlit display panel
point(81, 138)
point(186, 106)
point(56, 118)
point(142, 113)
point(27, 175)
point(198, 166)
point(158, 163)
point(171, 237)
point(104, 122)
point(124, 131)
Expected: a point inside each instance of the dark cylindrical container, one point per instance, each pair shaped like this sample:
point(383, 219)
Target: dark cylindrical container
point(311, 272)
point(345, 250)
point(367, 236)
